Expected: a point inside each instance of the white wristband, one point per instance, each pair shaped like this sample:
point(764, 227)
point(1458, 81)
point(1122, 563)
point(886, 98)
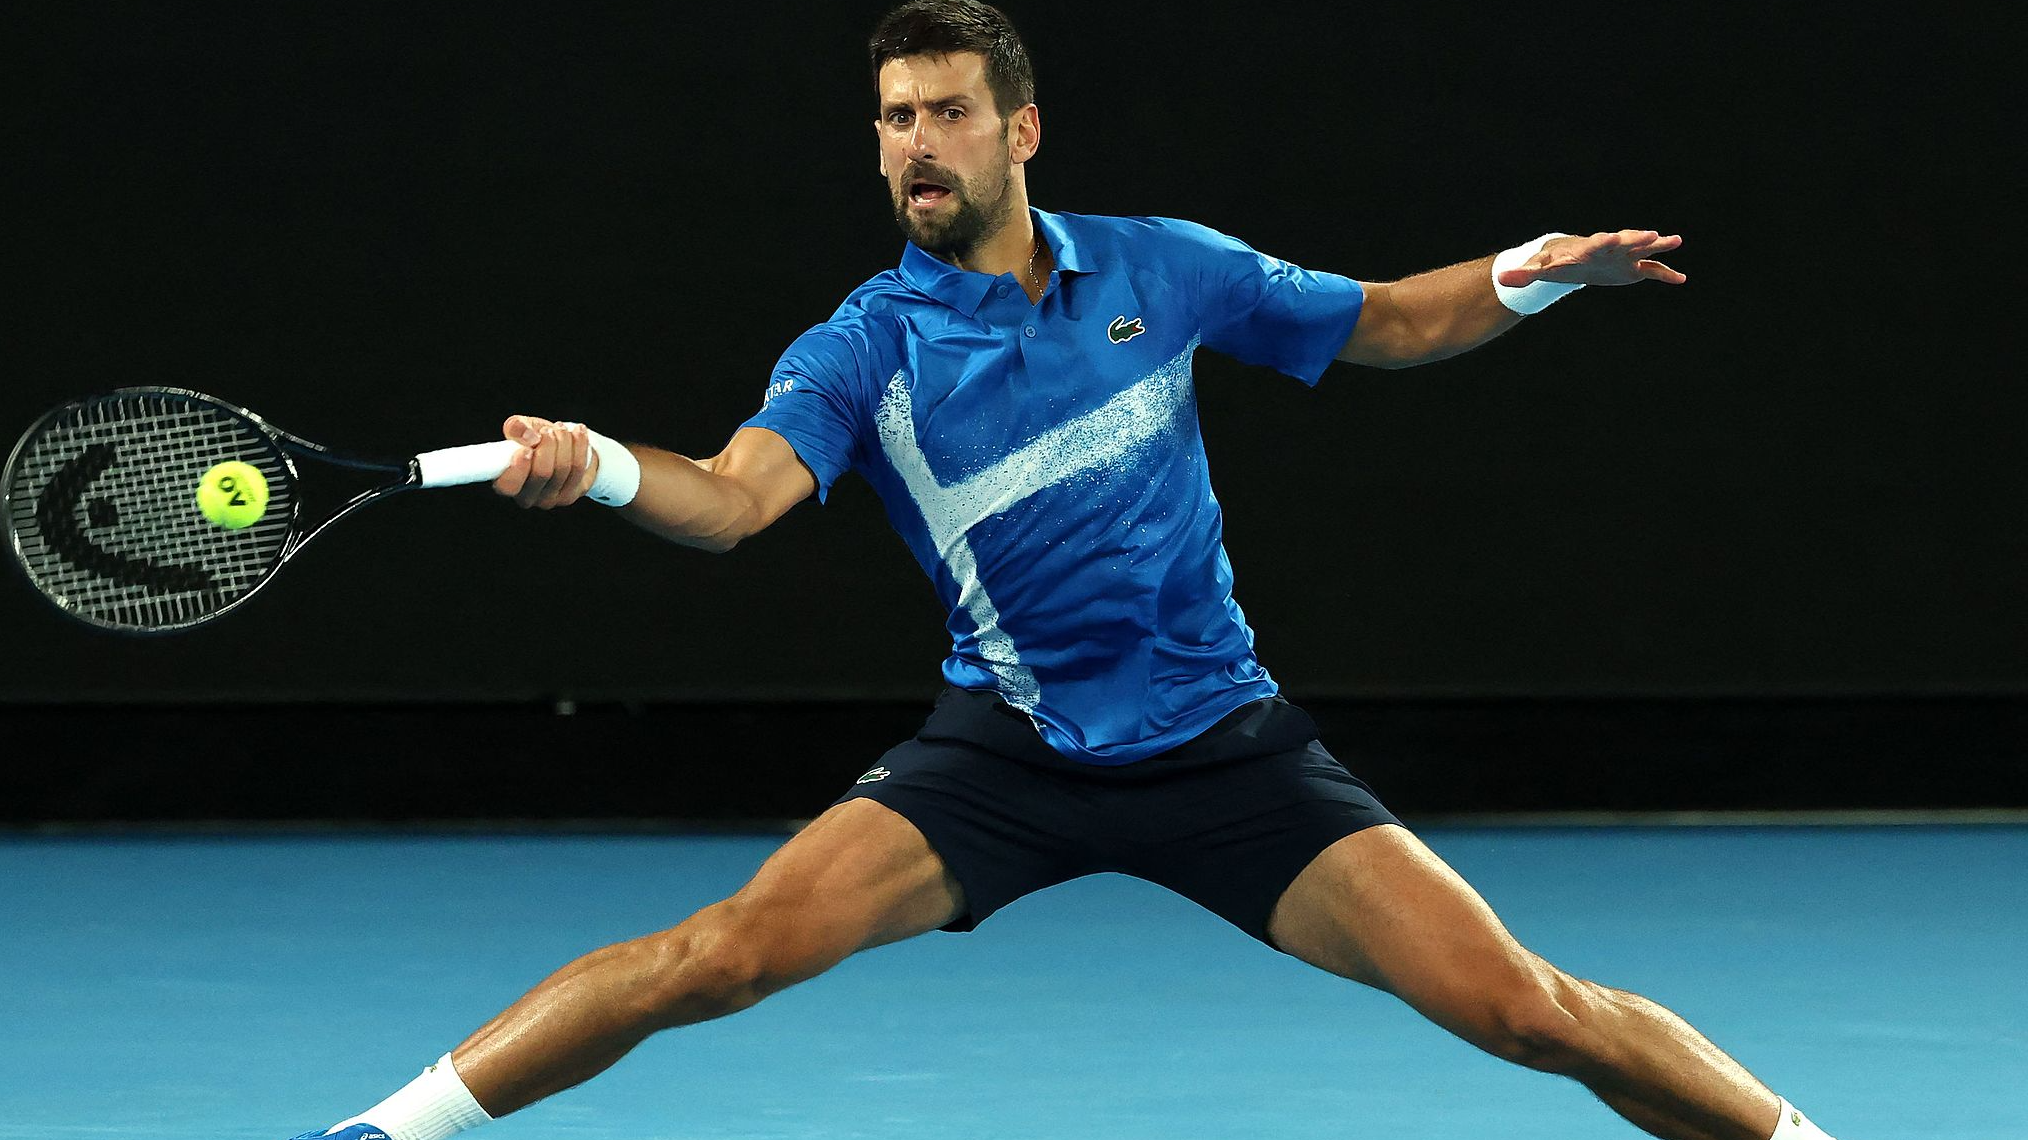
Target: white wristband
point(1534, 297)
point(619, 477)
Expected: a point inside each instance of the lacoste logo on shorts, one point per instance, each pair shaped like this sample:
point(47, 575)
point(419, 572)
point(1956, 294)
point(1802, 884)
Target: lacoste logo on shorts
point(874, 776)
point(1123, 330)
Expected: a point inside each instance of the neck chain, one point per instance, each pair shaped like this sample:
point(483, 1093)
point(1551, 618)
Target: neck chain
point(1032, 279)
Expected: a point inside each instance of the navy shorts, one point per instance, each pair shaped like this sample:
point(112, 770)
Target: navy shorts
point(1227, 820)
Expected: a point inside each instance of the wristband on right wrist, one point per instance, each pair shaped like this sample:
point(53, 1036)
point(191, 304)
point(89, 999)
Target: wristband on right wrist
point(1535, 296)
point(619, 477)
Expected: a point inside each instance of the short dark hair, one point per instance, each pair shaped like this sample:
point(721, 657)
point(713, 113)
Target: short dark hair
point(946, 27)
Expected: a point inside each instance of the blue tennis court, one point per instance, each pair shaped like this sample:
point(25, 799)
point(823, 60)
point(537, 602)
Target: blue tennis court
point(253, 987)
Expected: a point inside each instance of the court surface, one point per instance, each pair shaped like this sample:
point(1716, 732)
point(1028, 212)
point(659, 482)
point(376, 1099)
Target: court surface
point(255, 987)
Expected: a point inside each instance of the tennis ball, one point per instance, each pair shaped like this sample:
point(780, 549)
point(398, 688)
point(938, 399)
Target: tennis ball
point(233, 495)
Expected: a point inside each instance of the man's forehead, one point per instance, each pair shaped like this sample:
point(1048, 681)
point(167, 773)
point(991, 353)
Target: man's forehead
point(929, 78)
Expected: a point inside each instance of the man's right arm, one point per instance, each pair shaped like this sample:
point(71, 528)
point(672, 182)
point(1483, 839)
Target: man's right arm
point(710, 504)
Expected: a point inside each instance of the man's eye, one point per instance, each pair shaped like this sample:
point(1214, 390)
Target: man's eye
point(953, 114)
point(898, 118)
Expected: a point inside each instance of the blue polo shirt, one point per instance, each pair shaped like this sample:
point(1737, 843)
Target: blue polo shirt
point(1043, 461)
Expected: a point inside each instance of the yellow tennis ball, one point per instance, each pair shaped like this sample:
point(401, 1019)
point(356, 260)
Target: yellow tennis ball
point(233, 495)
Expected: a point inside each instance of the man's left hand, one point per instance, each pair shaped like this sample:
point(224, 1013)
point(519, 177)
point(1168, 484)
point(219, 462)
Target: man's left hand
point(1620, 258)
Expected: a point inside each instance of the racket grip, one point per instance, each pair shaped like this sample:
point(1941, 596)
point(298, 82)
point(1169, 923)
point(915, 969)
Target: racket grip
point(472, 463)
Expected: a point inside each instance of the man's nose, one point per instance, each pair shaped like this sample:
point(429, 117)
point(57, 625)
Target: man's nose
point(919, 140)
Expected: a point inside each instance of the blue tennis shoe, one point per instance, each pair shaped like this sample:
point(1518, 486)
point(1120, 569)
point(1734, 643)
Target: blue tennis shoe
point(349, 1132)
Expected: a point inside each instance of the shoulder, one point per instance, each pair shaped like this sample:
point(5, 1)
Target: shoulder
point(1143, 235)
point(1184, 253)
point(858, 340)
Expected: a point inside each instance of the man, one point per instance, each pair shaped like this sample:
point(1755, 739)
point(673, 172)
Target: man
point(1018, 391)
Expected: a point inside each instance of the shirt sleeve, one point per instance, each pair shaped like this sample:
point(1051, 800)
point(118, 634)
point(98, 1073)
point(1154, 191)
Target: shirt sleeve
point(814, 400)
point(1263, 310)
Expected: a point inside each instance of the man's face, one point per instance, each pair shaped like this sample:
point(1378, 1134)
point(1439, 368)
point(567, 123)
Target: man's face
point(947, 154)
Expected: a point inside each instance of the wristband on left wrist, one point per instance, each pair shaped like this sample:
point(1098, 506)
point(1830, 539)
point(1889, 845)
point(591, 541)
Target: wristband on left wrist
point(1537, 295)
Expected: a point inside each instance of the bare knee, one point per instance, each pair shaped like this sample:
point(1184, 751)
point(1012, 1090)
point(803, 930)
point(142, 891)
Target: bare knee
point(723, 959)
point(1548, 1021)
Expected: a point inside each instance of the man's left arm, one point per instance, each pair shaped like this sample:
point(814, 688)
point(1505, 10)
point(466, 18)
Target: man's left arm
point(1443, 312)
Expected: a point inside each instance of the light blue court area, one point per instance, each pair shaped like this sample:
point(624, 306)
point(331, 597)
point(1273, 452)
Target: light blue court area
point(251, 988)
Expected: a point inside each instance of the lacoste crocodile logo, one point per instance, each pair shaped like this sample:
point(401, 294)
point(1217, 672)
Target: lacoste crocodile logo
point(1123, 330)
point(874, 776)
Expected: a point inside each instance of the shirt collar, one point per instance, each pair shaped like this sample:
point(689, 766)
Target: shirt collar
point(965, 290)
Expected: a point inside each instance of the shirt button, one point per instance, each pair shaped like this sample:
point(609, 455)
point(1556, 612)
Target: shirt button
point(1003, 290)
point(1029, 331)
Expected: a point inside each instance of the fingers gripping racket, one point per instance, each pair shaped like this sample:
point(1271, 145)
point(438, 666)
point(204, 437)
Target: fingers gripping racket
point(104, 512)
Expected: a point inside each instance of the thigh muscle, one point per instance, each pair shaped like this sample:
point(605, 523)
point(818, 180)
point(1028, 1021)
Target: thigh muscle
point(858, 876)
point(1381, 908)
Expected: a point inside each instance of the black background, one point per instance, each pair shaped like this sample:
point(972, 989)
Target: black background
point(1798, 478)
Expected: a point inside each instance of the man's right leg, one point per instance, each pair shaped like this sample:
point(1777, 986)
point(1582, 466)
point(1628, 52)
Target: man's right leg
point(859, 876)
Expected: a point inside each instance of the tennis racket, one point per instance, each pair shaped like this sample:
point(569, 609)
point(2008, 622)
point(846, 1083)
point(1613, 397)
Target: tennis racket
point(102, 510)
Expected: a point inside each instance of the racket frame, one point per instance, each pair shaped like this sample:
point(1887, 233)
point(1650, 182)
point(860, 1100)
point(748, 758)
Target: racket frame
point(287, 444)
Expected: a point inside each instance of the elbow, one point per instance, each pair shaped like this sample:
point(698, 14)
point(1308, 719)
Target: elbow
point(711, 542)
point(747, 523)
point(1419, 344)
point(1419, 360)
point(1390, 336)
point(1395, 357)
point(715, 530)
point(714, 513)
point(1418, 347)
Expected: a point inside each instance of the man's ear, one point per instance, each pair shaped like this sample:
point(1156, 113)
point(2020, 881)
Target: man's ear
point(1024, 133)
point(880, 149)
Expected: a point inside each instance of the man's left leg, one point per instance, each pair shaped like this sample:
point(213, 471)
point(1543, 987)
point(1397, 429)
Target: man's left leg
point(1379, 907)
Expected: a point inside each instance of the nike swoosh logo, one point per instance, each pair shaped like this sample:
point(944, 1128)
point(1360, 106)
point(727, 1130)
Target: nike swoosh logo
point(1102, 437)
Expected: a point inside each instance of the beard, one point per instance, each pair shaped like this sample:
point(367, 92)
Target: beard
point(953, 232)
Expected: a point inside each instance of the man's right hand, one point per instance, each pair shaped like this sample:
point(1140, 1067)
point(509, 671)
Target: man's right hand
point(554, 467)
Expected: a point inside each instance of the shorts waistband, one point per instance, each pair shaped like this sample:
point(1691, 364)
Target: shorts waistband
point(984, 720)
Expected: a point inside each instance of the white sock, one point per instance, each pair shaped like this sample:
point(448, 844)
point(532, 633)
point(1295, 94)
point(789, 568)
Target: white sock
point(434, 1106)
point(1792, 1126)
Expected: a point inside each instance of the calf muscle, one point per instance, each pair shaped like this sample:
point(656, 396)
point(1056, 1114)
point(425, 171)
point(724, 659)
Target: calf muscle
point(860, 876)
point(1381, 908)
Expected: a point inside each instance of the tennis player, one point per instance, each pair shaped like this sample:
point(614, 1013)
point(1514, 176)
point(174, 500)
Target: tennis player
point(1019, 393)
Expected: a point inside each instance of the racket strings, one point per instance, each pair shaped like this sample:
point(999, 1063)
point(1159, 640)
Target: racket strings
point(103, 506)
point(70, 542)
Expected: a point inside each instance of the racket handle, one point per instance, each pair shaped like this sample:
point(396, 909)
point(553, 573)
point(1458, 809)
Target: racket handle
point(472, 463)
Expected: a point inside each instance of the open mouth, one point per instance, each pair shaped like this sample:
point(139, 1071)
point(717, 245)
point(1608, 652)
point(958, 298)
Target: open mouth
point(927, 194)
